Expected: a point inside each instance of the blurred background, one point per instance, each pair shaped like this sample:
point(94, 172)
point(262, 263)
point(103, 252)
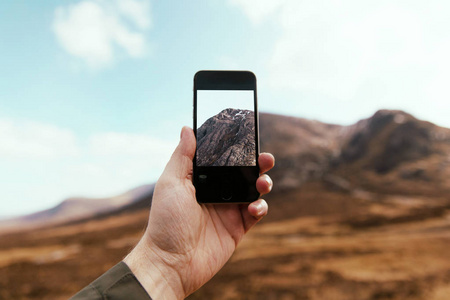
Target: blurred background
point(354, 105)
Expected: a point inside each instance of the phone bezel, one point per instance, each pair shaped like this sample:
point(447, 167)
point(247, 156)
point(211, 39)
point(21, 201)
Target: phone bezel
point(245, 176)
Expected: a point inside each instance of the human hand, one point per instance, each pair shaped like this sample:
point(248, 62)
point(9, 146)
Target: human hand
point(187, 243)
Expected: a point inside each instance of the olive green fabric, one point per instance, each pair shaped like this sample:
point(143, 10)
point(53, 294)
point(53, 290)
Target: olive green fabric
point(117, 283)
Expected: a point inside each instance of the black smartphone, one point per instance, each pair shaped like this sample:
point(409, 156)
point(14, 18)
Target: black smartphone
point(226, 128)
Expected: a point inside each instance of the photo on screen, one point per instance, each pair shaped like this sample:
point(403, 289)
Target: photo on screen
point(225, 128)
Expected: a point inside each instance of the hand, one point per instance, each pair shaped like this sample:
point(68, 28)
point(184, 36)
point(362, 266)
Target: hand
point(187, 243)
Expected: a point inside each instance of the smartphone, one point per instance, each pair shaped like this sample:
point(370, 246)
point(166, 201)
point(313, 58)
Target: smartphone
point(226, 128)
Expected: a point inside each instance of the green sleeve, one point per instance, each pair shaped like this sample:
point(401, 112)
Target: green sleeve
point(117, 283)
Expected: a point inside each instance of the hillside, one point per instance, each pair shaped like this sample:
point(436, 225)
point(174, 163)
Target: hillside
point(357, 212)
point(80, 208)
point(324, 168)
point(390, 145)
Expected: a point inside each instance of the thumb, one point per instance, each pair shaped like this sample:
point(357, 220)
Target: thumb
point(180, 164)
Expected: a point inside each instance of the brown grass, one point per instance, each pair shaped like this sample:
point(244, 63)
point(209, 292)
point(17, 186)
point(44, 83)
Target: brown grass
point(308, 257)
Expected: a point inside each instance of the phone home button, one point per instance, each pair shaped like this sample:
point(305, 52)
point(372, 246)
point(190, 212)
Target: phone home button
point(227, 189)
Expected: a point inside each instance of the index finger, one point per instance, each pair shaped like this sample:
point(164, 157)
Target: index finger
point(266, 162)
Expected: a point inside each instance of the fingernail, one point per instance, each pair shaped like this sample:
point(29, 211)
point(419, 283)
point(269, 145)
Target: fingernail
point(268, 180)
point(182, 133)
point(259, 209)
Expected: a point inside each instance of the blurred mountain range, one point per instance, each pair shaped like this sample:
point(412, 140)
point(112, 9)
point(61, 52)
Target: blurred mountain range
point(81, 208)
point(389, 153)
point(359, 212)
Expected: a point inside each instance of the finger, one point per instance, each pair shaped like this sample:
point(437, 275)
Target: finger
point(266, 162)
point(264, 184)
point(180, 163)
point(254, 212)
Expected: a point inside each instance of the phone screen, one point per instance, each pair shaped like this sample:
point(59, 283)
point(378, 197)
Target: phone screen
point(226, 128)
point(225, 167)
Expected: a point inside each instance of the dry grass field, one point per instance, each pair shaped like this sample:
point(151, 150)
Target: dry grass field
point(393, 249)
point(321, 258)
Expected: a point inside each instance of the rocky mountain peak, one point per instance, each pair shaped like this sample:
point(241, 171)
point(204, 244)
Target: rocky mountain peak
point(231, 113)
point(227, 139)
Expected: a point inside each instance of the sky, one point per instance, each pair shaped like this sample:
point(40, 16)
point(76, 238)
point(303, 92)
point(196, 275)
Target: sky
point(93, 93)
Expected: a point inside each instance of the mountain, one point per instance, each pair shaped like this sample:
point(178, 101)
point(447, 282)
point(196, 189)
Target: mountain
point(78, 208)
point(328, 169)
point(227, 139)
point(303, 148)
point(393, 152)
point(357, 212)
point(390, 143)
point(320, 168)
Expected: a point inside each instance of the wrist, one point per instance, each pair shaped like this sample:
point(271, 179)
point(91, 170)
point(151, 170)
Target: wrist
point(160, 280)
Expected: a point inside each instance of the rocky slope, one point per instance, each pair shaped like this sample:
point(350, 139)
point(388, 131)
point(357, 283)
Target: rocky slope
point(227, 139)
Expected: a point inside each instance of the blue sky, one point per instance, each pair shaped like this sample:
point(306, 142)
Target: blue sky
point(93, 93)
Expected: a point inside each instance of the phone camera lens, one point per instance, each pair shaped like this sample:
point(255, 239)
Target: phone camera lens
point(202, 178)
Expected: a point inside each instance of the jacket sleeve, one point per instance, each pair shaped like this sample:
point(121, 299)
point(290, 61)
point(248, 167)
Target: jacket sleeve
point(117, 283)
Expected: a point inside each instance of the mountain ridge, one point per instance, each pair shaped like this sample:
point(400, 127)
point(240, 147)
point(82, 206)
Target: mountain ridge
point(227, 139)
point(391, 152)
point(80, 208)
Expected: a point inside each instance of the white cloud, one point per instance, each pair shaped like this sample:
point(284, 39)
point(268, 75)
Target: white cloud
point(334, 48)
point(116, 162)
point(25, 139)
point(117, 143)
point(361, 53)
point(136, 149)
point(258, 10)
point(128, 159)
point(97, 31)
point(42, 164)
